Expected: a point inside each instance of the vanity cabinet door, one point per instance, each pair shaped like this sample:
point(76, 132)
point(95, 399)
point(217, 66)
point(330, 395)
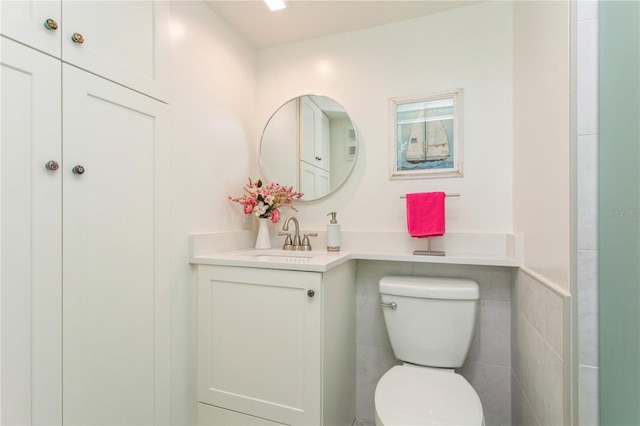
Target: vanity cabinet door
point(259, 351)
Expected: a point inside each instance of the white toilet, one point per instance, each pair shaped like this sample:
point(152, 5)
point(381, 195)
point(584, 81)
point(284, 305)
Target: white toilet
point(430, 322)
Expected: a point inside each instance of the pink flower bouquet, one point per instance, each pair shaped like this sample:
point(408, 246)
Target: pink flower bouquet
point(266, 200)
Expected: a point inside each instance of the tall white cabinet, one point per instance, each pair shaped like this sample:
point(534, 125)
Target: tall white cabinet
point(315, 171)
point(31, 238)
point(115, 266)
point(84, 213)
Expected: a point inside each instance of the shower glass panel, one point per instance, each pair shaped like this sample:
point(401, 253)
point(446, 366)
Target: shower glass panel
point(619, 212)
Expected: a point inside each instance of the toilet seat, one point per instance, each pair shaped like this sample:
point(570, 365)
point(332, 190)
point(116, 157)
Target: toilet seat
point(411, 395)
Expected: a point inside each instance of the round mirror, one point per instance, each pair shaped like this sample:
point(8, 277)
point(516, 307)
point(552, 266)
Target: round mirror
point(309, 143)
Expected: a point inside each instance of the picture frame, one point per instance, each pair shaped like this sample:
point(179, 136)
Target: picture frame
point(426, 138)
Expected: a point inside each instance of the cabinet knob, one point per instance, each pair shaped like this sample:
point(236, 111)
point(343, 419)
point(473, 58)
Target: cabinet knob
point(50, 24)
point(52, 165)
point(77, 38)
point(78, 170)
point(311, 293)
point(319, 158)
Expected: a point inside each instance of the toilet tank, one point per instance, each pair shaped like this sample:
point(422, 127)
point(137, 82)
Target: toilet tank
point(433, 320)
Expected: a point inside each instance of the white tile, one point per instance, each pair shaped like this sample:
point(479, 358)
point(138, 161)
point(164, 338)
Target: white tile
point(370, 326)
point(532, 302)
point(365, 391)
point(494, 283)
point(551, 410)
point(532, 363)
point(554, 322)
point(474, 351)
point(588, 307)
point(369, 272)
point(495, 332)
point(372, 362)
point(588, 403)
point(493, 385)
point(515, 327)
point(517, 401)
point(587, 192)
point(365, 414)
point(587, 9)
point(528, 416)
point(587, 59)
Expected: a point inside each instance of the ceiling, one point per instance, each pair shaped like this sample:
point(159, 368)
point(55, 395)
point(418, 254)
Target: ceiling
point(306, 19)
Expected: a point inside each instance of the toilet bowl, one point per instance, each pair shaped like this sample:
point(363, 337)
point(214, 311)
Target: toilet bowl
point(430, 322)
point(412, 395)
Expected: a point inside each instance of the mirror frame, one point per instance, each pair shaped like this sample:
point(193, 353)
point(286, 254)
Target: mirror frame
point(355, 146)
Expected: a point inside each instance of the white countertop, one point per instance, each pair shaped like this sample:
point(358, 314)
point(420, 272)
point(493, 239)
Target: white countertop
point(322, 261)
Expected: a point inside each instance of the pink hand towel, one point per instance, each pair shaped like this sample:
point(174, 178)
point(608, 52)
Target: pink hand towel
point(425, 214)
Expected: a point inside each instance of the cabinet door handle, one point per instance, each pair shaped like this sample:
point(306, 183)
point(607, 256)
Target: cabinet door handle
point(319, 158)
point(77, 38)
point(311, 293)
point(50, 24)
point(52, 165)
point(78, 170)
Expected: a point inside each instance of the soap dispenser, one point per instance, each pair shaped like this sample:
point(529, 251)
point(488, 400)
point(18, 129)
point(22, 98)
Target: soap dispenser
point(333, 233)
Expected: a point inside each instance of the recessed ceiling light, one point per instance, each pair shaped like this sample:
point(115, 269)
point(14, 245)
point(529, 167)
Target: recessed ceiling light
point(275, 4)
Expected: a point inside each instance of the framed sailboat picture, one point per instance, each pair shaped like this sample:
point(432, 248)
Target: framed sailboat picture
point(426, 136)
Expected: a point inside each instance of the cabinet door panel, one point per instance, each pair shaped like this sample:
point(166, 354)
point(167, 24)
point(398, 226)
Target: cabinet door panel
point(308, 130)
point(116, 319)
point(314, 181)
point(124, 41)
point(23, 20)
point(259, 343)
point(31, 237)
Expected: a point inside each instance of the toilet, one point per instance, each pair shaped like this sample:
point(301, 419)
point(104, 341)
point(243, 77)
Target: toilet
point(430, 322)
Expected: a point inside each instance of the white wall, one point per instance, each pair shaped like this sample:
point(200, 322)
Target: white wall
point(469, 48)
point(541, 123)
point(213, 140)
point(541, 356)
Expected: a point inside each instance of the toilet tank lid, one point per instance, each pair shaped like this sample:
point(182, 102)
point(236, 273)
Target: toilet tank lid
point(430, 287)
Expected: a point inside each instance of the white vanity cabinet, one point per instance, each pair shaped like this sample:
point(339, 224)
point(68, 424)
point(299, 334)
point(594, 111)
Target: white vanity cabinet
point(127, 42)
point(276, 346)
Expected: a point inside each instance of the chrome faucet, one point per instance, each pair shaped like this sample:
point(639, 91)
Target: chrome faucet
point(295, 244)
point(288, 244)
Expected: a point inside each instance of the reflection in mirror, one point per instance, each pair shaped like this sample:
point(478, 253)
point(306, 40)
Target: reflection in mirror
point(309, 143)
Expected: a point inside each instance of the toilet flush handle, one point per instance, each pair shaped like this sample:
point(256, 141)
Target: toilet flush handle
point(391, 305)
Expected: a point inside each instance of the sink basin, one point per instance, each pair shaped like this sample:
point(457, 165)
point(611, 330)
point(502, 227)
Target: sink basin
point(283, 254)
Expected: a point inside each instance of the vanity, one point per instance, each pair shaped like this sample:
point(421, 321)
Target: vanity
point(277, 329)
point(276, 346)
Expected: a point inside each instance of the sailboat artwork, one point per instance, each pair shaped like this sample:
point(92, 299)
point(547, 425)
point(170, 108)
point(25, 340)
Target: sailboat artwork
point(427, 138)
